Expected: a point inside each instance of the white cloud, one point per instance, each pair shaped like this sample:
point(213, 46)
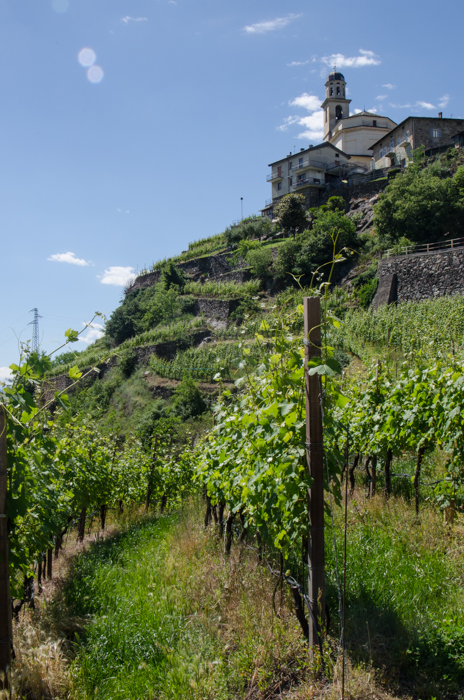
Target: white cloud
point(374, 110)
point(389, 86)
point(444, 101)
point(313, 127)
point(381, 97)
point(425, 105)
point(128, 19)
point(395, 106)
point(366, 58)
point(309, 102)
point(270, 25)
point(298, 63)
point(312, 124)
point(94, 331)
point(5, 374)
point(68, 258)
point(119, 276)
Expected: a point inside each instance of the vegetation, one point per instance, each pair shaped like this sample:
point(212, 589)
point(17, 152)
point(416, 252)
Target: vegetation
point(171, 606)
point(423, 204)
point(290, 213)
point(223, 290)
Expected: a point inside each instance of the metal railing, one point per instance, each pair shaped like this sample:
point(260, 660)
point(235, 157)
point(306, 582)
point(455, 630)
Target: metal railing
point(308, 181)
point(423, 248)
point(268, 202)
point(273, 176)
point(308, 163)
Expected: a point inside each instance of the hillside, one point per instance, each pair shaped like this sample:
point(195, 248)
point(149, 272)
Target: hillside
point(173, 448)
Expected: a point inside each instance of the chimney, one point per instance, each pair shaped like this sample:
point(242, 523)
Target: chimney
point(440, 115)
point(302, 149)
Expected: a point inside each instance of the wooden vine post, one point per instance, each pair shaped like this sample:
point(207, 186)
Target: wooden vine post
point(315, 464)
point(5, 601)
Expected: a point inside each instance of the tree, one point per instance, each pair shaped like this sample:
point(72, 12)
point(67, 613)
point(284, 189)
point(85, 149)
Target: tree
point(422, 205)
point(291, 213)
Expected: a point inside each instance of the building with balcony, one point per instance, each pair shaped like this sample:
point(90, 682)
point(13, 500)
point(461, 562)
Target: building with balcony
point(435, 134)
point(353, 134)
point(307, 172)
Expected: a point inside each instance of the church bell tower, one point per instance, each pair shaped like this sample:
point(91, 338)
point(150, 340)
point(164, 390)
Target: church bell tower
point(335, 105)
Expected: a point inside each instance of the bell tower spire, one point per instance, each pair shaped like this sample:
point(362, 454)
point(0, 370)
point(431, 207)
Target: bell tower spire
point(335, 105)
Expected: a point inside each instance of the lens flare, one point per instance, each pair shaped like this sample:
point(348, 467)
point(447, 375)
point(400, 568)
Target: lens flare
point(60, 5)
point(86, 57)
point(95, 74)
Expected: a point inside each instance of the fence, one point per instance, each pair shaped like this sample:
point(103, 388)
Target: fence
point(423, 248)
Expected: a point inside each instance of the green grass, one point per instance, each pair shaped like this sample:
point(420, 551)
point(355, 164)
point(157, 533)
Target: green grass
point(169, 619)
point(405, 600)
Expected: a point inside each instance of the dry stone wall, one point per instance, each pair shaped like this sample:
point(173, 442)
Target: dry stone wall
point(424, 275)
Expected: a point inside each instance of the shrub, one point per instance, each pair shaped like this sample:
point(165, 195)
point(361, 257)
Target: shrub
point(367, 291)
point(173, 276)
point(128, 362)
point(314, 248)
point(260, 260)
point(188, 400)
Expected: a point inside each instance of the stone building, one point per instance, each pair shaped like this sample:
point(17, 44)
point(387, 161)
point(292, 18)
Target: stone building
point(353, 134)
point(434, 133)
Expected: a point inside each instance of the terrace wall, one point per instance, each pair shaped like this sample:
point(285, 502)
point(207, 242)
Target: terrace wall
point(423, 275)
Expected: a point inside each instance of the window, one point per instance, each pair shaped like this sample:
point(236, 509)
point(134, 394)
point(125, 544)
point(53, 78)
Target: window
point(300, 162)
point(436, 133)
point(331, 92)
point(374, 122)
point(279, 171)
point(279, 186)
point(338, 91)
point(398, 140)
point(338, 112)
point(407, 134)
point(290, 181)
point(381, 153)
point(290, 165)
point(392, 144)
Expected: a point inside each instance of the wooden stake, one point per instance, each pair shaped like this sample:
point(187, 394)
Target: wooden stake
point(315, 464)
point(6, 632)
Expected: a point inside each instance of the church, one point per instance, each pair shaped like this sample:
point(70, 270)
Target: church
point(353, 134)
point(353, 145)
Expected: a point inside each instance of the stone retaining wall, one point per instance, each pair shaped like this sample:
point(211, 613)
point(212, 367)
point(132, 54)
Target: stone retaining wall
point(425, 275)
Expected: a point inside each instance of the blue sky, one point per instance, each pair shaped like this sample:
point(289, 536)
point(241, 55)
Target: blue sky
point(118, 156)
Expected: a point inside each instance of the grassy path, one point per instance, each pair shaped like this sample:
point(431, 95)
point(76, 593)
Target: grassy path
point(170, 618)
